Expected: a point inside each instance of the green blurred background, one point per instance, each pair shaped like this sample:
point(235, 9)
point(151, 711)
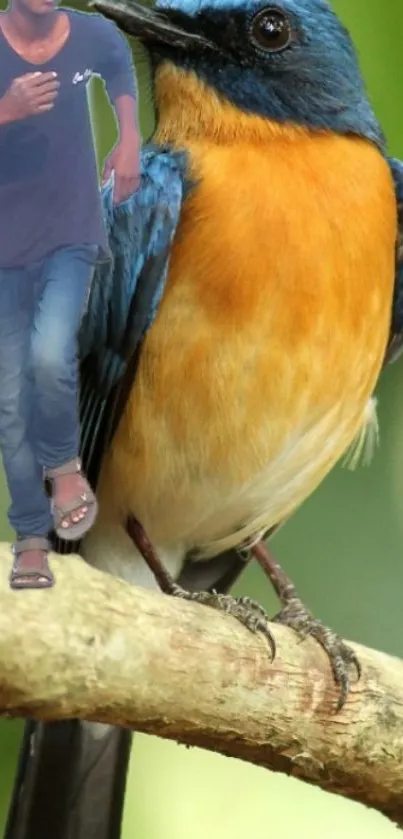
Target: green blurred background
point(343, 549)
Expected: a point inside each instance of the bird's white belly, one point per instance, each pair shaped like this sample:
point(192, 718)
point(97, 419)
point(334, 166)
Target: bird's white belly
point(210, 521)
point(202, 519)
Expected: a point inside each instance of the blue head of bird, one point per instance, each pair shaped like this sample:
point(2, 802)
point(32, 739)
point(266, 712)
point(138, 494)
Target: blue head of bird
point(287, 61)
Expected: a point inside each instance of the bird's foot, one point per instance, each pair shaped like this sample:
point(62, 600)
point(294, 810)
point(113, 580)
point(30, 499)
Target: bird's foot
point(342, 658)
point(247, 611)
point(296, 616)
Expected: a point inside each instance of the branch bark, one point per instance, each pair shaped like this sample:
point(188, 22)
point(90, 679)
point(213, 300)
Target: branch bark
point(96, 648)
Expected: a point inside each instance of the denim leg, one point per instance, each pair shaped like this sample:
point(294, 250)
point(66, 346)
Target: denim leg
point(60, 303)
point(29, 513)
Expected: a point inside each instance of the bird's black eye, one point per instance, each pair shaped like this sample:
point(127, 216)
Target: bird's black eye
point(270, 30)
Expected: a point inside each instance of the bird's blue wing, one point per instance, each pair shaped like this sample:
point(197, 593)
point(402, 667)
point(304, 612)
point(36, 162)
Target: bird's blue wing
point(395, 346)
point(124, 298)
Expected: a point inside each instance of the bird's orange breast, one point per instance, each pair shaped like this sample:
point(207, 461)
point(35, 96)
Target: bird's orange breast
point(270, 336)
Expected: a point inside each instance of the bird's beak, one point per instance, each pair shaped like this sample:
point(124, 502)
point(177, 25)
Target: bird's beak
point(149, 25)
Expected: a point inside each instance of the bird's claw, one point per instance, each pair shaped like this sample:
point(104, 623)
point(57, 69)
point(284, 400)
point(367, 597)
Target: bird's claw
point(342, 658)
point(247, 611)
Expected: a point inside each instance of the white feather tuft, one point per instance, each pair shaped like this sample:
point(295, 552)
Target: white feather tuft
point(366, 441)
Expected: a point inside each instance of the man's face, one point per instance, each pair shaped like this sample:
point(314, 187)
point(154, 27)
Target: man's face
point(36, 7)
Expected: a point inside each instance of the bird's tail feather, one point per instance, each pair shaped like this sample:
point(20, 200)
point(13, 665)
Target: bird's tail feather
point(71, 782)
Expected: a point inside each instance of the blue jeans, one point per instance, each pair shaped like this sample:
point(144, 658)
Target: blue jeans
point(41, 306)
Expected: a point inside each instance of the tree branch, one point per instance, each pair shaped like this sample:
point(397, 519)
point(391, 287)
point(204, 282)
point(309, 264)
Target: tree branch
point(96, 648)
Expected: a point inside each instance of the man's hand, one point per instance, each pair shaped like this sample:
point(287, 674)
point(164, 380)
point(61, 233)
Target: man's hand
point(33, 93)
point(124, 161)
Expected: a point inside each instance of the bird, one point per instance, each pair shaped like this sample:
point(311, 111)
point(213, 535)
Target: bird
point(231, 347)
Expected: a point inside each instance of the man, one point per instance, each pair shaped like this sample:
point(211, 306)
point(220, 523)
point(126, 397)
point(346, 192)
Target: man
point(51, 235)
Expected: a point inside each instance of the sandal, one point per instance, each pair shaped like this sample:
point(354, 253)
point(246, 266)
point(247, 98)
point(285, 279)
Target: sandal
point(31, 566)
point(74, 530)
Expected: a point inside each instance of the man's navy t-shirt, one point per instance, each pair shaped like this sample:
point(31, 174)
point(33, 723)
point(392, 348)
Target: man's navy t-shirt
point(49, 192)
